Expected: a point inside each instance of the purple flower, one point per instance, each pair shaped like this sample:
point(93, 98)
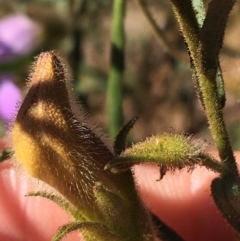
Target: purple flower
point(19, 35)
point(10, 95)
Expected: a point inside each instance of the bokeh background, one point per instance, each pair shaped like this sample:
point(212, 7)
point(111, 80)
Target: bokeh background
point(157, 87)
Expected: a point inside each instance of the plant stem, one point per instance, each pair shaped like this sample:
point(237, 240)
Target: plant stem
point(204, 47)
point(115, 80)
point(200, 11)
point(215, 117)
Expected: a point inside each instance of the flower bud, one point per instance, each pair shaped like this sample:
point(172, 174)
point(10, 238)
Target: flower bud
point(53, 145)
point(170, 151)
point(49, 141)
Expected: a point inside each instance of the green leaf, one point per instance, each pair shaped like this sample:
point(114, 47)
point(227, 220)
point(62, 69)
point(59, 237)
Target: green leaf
point(5, 155)
point(113, 209)
point(232, 188)
point(200, 11)
point(170, 151)
point(65, 205)
point(90, 231)
point(120, 141)
point(165, 233)
point(126, 218)
point(227, 205)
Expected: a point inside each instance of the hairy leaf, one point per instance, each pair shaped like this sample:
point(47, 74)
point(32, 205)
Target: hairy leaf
point(120, 141)
point(65, 205)
point(220, 188)
point(90, 231)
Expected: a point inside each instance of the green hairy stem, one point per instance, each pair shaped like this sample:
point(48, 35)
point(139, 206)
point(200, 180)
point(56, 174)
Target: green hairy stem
point(204, 45)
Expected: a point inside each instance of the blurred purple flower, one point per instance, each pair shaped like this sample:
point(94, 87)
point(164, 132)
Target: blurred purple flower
point(19, 35)
point(10, 95)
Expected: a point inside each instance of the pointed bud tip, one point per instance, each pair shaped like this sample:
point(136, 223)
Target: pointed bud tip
point(48, 68)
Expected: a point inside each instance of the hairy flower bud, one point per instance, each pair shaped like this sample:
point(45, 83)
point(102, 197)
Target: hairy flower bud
point(54, 145)
point(51, 143)
point(170, 151)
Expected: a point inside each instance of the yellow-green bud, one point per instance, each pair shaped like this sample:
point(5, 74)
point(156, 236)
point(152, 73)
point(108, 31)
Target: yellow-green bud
point(52, 144)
